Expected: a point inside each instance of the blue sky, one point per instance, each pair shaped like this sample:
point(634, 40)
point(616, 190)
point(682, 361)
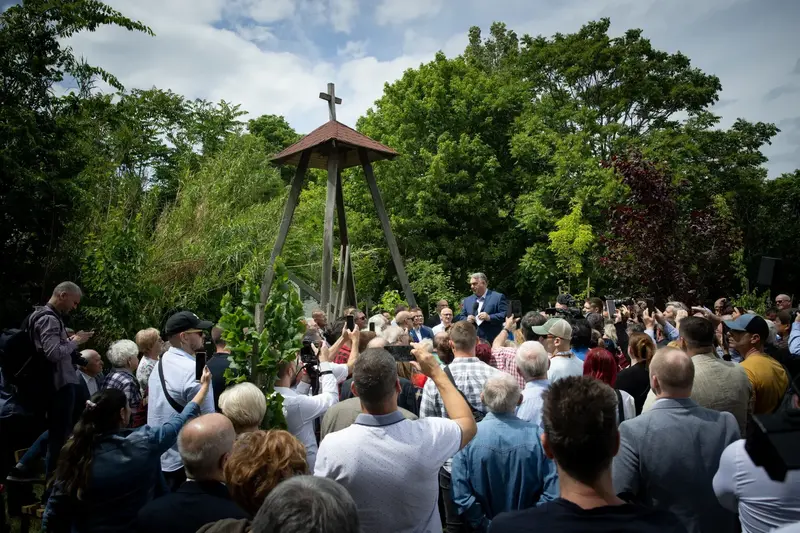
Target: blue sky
point(275, 56)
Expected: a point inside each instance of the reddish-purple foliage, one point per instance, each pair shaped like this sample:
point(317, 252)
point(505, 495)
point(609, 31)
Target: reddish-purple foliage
point(653, 247)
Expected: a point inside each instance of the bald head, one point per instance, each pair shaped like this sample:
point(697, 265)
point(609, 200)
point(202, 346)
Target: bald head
point(204, 444)
point(94, 363)
point(405, 319)
point(671, 373)
point(532, 360)
point(377, 342)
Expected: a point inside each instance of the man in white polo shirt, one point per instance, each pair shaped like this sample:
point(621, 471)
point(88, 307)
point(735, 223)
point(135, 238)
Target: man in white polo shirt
point(185, 334)
point(390, 465)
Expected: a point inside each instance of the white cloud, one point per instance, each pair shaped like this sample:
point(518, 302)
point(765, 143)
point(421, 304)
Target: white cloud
point(264, 11)
point(353, 50)
point(342, 13)
point(256, 34)
point(402, 11)
point(215, 49)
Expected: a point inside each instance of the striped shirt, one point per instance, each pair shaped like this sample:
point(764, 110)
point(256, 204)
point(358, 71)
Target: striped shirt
point(470, 374)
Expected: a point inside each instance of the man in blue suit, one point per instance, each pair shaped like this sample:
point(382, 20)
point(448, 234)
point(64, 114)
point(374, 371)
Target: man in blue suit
point(420, 330)
point(486, 309)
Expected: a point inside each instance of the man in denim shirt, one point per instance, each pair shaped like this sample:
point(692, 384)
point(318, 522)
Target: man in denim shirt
point(504, 467)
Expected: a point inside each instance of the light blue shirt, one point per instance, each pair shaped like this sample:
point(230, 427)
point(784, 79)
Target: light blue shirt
point(794, 340)
point(503, 468)
point(670, 331)
point(179, 375)
point(532, 403)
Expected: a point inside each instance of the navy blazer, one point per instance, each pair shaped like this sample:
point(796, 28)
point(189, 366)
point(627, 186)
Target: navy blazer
point(495, 304)
point(425, 332)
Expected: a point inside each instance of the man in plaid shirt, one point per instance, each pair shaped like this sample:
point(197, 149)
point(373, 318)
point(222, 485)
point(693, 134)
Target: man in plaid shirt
point(124, 358)
point(504, 357)
point(469, 374)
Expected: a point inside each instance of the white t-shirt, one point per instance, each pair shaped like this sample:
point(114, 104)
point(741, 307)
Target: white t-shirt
point(390, 466)
point(744, 488)
point(562, 367)
point(628, 405)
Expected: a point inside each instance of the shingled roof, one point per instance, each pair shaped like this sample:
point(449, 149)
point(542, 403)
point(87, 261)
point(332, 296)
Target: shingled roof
point(346, 139)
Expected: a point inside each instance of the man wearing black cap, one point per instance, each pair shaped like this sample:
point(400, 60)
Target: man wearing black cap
point(172, 383)
point(748, 334)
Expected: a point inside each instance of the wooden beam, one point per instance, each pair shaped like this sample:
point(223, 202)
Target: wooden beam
point(343, 287)
point(349, 280)
point(286, 222)
point(311, 291)
point(387, 229)
point(340, 216)
point(338, 301)
point(327, 235)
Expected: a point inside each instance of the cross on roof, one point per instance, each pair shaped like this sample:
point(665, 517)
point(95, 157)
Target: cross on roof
point(330, 96)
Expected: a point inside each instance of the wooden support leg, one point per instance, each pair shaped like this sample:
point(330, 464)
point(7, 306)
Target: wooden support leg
point(343, 279)
point(338, 300)
point(349, 280)
point(327, 235)
point(286, 222)
point(387, 229)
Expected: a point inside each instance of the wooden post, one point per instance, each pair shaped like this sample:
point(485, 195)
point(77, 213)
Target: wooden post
point(304, 286)
point(345, 266)
point(349, 280)
point(327, 234)
point(338, 302)
point(387, 229)
point(286, 222)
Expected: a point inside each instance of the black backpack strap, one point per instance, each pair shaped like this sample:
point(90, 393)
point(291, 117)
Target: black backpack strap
point(620, 410)
point(175, 405)
point(475, 413)
point(31, 319)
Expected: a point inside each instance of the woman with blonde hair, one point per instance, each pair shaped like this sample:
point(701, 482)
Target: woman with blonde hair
point(149, 343)
point(245, 406)
point(635, 379)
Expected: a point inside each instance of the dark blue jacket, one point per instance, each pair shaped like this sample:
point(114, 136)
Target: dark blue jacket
point(425, 333)
point(125, 472)
point(495, 304)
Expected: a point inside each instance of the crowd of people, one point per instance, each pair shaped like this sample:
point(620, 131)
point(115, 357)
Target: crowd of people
point(610, 416)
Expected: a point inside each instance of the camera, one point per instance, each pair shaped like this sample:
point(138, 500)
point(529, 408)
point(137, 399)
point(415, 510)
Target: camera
point(620, 301)
point(307, 355)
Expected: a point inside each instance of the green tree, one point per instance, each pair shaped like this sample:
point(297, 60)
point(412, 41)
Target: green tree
point(40, 169)
point(257, 357)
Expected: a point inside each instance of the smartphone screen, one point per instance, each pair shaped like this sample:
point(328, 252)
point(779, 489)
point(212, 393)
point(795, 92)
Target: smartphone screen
point(611, 308)
point(199, 364)
point(651, 306)
point(515, 309)
point(351, 323)
point(401, 354)
point(372, 326)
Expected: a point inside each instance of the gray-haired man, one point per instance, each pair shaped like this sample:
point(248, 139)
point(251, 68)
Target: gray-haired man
point(504, 467)
point(364, 457)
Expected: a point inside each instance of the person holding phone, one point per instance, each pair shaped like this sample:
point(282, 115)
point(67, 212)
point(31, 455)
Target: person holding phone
point(173, 383)
point(299, 408)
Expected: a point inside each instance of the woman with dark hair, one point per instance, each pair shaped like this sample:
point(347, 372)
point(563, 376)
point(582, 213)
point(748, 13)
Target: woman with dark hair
point(635, 379)
point(107, 472)
point(581, 341)
point(602, 365)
